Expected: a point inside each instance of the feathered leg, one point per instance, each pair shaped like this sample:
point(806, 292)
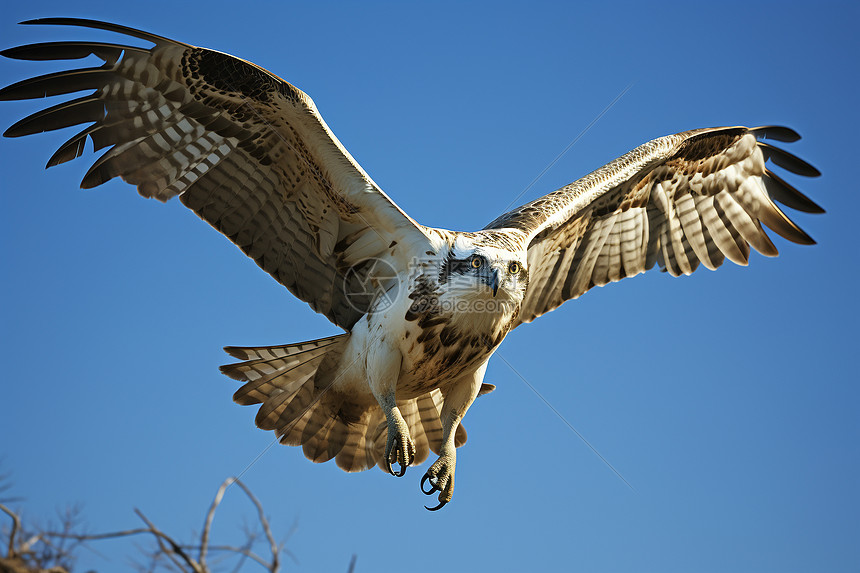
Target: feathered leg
point(457, 401)
point(383, 370)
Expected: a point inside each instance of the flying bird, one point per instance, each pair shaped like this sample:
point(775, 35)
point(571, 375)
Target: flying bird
point(422, 309)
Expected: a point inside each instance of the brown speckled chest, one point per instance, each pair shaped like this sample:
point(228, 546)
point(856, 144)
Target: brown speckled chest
point(437, 351)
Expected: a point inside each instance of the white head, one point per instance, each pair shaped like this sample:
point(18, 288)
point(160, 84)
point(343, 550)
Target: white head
point(477, 271)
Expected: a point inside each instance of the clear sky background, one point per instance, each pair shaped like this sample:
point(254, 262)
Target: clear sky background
point(728, 399)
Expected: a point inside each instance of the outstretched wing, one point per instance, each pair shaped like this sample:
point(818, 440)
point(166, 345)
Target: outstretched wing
point(245, 150)
point(695, 197)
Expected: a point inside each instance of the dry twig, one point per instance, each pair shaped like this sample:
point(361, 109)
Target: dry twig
point(179, 554)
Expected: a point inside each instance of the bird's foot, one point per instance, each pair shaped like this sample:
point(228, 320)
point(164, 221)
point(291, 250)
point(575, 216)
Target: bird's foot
point(440, 476)
point(399, 448)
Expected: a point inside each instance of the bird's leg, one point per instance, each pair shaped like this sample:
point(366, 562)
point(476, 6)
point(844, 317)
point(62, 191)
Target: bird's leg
point(383, 371)
point(399, 447)
point(457, 401)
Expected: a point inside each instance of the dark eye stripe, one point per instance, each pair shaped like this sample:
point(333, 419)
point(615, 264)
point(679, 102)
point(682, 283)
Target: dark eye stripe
point(453, 266)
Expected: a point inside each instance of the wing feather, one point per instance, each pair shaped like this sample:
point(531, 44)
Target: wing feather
point(779, 190)
point(245, 150)
point(693, 198)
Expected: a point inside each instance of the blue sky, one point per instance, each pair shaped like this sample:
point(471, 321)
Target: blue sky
point(728, 399)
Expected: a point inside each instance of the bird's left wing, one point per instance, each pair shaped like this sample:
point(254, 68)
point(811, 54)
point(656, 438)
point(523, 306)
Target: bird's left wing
point(245, 150)
point(678, 201)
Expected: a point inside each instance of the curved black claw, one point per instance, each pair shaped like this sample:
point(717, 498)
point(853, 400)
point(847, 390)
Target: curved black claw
point(399, 474)
point(438, 507)
point(433, 489)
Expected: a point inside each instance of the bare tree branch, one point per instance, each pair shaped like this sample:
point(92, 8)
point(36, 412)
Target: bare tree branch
point(16, 526)
point(275, 566)
point(162, 538)
point(241, 561)
point(293, 528)
point(97, 536)
point(210, 515)
point(6, 485)
point(52, 549)
point(251, 537)
point(239, 551)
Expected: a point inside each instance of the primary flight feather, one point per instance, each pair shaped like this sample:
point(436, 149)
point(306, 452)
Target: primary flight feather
point(423, 309)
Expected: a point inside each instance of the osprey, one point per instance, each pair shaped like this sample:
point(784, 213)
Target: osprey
point(423, 309)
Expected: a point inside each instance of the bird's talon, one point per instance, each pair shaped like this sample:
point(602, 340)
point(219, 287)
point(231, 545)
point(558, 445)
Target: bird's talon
point(433, 488)
point(399, 450)
point(401, 473)
point(393, 459)
point(440, 476)
point(438, 507)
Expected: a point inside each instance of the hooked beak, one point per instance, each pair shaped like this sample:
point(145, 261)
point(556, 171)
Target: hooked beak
point(494, 281)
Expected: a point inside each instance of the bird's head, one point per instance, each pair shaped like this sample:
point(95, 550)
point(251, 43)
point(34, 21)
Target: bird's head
point(475, 271)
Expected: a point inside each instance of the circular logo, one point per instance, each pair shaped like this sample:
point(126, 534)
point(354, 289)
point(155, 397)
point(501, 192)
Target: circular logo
point(371, 284)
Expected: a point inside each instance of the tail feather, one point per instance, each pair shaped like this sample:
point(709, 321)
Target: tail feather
point(409, 409)
point(323, 444)
point(286, 381)
point(283, 351)
point(351, 457)
point(335, 440)
point(291, 422)
point(292, 384)
point(316, 444)
point(429, 407)
point(314, 429)
point(375, 440)
point(267, 377)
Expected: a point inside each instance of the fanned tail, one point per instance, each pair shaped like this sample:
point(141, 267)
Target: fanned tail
point(276, 370)
point(294, 383)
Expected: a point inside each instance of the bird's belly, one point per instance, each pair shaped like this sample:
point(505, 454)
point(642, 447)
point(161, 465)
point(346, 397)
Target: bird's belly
point(436, 350)
point(433, 360)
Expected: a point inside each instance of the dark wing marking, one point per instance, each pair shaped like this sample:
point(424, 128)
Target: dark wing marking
point(677, 201)
point(245, 150)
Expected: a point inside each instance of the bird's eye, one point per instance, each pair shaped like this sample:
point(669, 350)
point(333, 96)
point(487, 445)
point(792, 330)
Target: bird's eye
point(514, 268)
point(477, 262)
